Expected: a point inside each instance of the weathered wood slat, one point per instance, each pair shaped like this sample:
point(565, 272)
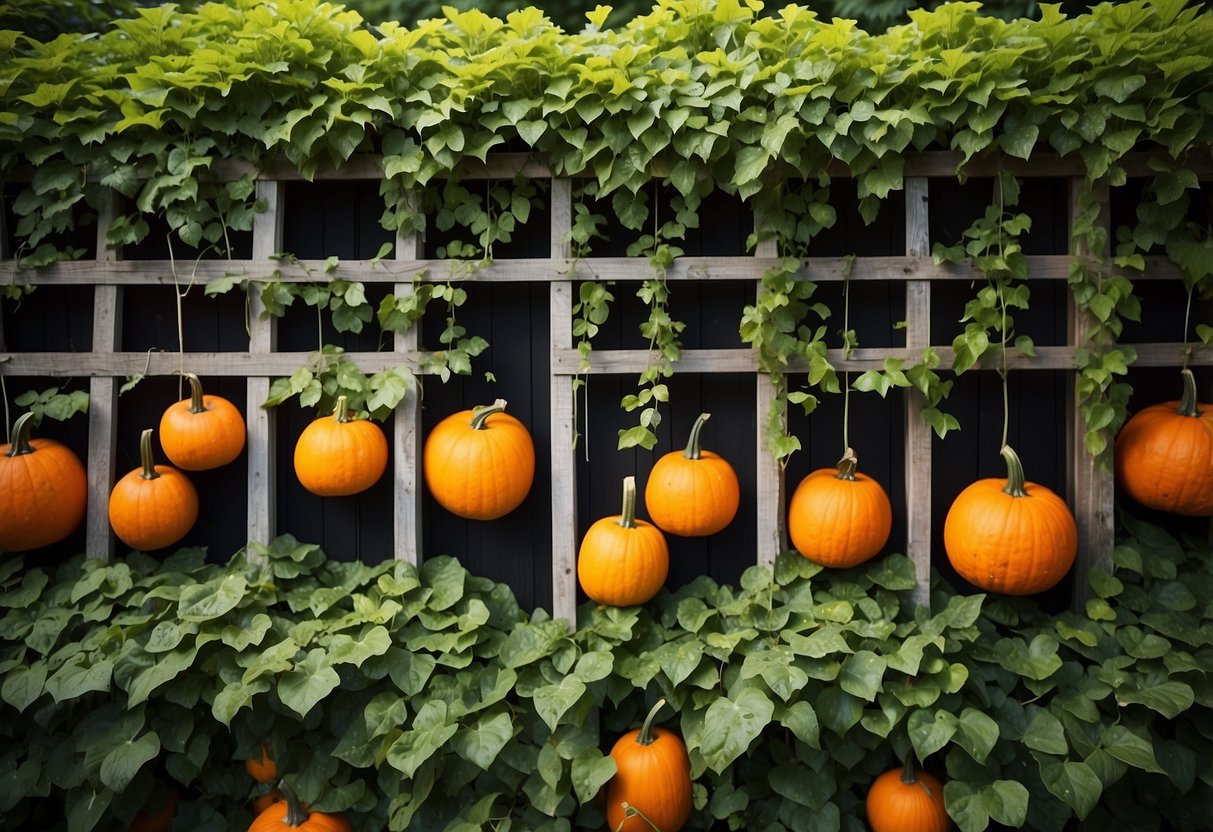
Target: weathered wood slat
point(769, 480)
point(563, 431)
point(1090, 482)
point(262, 485)
point(917, 432)
point(406, 429)
point(820, 269)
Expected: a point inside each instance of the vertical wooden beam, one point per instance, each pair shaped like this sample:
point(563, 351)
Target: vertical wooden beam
point(917, 432)
point(563, 431)
point(769, 494)
point(5, 254)
point(406, 428)
point(1089, 482)
point(103, 399)
point(262, 484)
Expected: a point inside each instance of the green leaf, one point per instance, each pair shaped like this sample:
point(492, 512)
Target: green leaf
point(78, 677)
point(1046, 734)
point(203, 602)
point(862, 673)
point(801, 720)
point(481, 743)
point(1007, 802)
point(416, 746)
point(1130, 748)
point(1170, 698)
point(731, 724)
point(122, 763)
point(930, 731)
point(302, 687)
point(965, 806)
point(553, 701)
point(590, 772)
point(976, 733)
point(1073, 783)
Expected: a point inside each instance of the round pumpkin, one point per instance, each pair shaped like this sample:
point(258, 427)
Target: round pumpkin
point(338, 455)
point(153, 506)
point(1164, 455)
point(623, 561)
point(289, 814)
point(262, 768)
point(479, 463)
point(839, 517)
point(157, 815)
point(653, 777)
point(1010, 536)
point(692, 492)
point(201, 432)
point(903, 800)
point(43, 490)
point(260, 804)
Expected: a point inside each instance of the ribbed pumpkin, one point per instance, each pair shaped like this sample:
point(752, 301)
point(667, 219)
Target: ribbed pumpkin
point(43, 490)
point(692, 492)
point(201, 432)
point(289, 815)
point(153, 506)
point(479, 463)
point(839, 517)
point(1164, 455)
point(1010, 536)
point(903, 800)
point(654, 777)
point(262, 768)
point(338, 455)
point(623, 561)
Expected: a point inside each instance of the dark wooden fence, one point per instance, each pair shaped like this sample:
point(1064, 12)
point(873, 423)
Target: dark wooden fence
point(97, 321)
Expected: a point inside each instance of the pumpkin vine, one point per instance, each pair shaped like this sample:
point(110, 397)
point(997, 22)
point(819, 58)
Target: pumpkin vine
point(594, 297)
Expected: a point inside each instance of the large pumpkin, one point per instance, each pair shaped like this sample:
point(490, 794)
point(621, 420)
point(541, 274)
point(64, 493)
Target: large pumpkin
point(479, 463)
point(653, 777)
point(623, 561)
point(903, 800)
point(43, 490)
point(1010, 536)
point(693, 492)
point(201, 432)
point(289, 815)
point(153, 506)
point(839, 517)
point(338, 455)
point(1164, 455)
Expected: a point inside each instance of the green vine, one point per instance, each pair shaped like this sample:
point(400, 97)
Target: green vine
point(330, 374)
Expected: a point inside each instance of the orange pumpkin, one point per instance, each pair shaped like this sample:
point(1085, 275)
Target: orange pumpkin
point(653, 779)
point(43, 490)
point(839, 517)
point(157, 815)
point(265, 801)
point(479, 463)
point(153, 506)
point(339, 455)
point(201, 432)
point(903, 800)
point(623, 561)
point(289, 815)
point(262, 768)
point(1010, 536)
point(1164, 455)
point(694, 492)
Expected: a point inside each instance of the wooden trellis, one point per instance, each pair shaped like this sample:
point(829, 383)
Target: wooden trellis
point(1089, 488)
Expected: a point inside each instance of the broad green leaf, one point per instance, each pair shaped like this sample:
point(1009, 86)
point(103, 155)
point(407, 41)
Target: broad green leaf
point(203, 602)
point(930, 731)
point(302, 687)
point(1130, 748)
point(122, 764)
point(862, 673)
point(731, 724)
point(976, 733)
point(1075, 784)
point(1046, 734)
point(552, 702)
point(1170, 698)
point(482, 742)
point(590, 772)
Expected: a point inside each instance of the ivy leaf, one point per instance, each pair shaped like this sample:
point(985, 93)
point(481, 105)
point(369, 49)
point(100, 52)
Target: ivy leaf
point(481, 743)
point(1075, 784)
point(861, 674)
point(1045, 734)
point(930, 731)
point(731, 724)
point(1170, 698)
point(302, 687)
point(1006, 802)
point(976, 733)
point(122, 763)
point(553, 701)
point(204, 602)
point(1130, 748)
point(590, 772)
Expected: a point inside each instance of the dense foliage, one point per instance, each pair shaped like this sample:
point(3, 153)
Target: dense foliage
point(424, 698)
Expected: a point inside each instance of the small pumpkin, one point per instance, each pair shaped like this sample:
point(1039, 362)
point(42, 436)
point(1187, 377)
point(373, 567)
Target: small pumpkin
point(289, 814)
point(839, 517)
point(338, 455)
point(1010, 536)
point(1164, 455)
point(153, 506)
point(905, 800)
point(157, 815)
point(653, 778)
point(692, 492)
point(201, 432)
point(622, 560)
point(43, 490)
point(262, 768)
point(260, 804)
point(479, 463)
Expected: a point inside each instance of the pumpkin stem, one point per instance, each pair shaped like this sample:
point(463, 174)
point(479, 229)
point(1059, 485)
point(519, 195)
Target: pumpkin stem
point(1187, 405)
point(21, 430)
point(693, 448)
point(847, 466)
point(1014, 485)
point(196, 405)
point(627, 517)
point(908, 775)
point(145, 456)
point(296, 815)
point(645, 737)
point(482, 413)
point(341, 413)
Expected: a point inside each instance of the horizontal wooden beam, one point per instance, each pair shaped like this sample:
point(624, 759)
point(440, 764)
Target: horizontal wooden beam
point(533, 270)
point(564, 362)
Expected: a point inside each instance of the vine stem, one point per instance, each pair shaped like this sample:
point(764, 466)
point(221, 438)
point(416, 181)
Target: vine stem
point(846, 376)
point(1187, 319)
point(8, 436)
point(1002, 304)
